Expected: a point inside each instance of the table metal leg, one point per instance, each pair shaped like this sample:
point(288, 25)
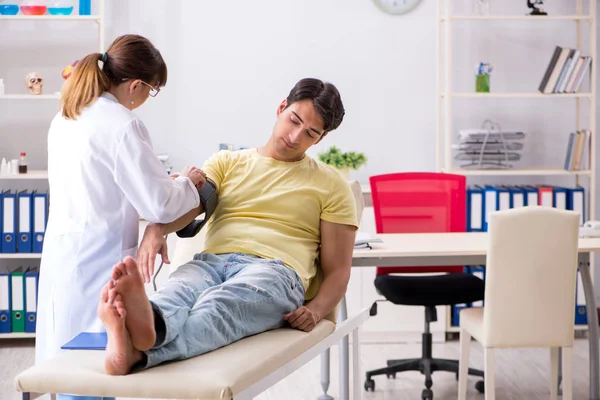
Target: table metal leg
point(356, 386)
point(344, 356)
point(325, 369)
point(559, 390)
point(592, 317)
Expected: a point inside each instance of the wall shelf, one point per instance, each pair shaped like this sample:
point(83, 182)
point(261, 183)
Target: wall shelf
point(20, 256)
point(519, 172)
point(511, 95)
point(528, 18)
point(585, 103)
point(30, 97)
point(20, 17)
point(33, 174)
point(17, 335)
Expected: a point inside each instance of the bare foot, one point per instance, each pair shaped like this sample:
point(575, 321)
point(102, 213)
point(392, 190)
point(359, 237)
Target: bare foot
point(121, 356)
point(140, 317)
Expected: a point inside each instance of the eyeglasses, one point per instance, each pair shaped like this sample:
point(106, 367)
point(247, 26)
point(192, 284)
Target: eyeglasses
point(154, 90)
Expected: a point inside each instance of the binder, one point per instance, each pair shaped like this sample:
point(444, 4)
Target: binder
point(559, 197)
point(87, 341)
point(456, 313)
point(24, 225)
point(546, 196)
point(580, 304)
point(490, 204)
point(9, 223)
point(475, 209)
point(18, 299)
point(531, 195)
point(5, 300)
point(503, 198)
point(480, 273)
point(40, 220)
point(517, 197)
point(496, 198)
point(576, 202)
point(31, 295)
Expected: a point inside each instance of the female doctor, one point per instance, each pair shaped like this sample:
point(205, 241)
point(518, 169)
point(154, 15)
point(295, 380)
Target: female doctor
point(103, 176)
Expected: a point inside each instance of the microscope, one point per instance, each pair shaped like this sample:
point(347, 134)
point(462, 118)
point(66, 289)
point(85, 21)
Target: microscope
point(535, 10)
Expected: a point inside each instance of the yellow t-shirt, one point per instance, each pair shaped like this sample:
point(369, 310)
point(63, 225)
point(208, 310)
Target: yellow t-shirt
point(273, 209)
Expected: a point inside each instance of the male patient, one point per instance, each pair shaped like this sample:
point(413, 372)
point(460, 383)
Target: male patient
point(280, 213)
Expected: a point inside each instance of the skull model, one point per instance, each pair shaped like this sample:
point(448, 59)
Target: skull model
point(34, 83)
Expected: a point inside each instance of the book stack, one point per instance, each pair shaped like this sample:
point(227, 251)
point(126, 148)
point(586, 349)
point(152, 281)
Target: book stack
point(578, 147)
point(565, 72)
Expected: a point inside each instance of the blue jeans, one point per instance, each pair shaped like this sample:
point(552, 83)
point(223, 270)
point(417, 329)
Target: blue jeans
point(216, 300)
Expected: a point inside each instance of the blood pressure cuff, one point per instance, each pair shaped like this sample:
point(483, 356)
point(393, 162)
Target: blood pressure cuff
point(209, 199)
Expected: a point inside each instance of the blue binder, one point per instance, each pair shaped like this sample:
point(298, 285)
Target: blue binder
point(456, 313)
point(580, 304)
point(576, 202)
point(87, 341)
point(559, 197)
point(40, 220)
point(517, 196)
point(5, 304)
point(490, 204)
point(24, 211)
point(475, 197)
point(31, 300)
point(531, 195)
point(9, 222)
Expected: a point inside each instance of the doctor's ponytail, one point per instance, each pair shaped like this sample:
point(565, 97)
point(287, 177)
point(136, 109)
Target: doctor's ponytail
point(128, 57)
point(84, 86)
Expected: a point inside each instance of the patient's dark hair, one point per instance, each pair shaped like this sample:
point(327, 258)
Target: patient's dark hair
point(325, 99)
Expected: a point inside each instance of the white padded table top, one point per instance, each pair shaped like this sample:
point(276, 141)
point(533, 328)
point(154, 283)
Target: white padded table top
point(219, 374)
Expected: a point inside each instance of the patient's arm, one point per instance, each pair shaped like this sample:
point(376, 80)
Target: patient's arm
point(337, 244)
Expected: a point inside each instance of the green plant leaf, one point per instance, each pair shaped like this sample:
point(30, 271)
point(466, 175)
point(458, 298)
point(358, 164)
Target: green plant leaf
point(334, 157)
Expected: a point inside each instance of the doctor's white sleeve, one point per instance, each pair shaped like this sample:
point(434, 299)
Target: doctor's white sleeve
point(145, 183)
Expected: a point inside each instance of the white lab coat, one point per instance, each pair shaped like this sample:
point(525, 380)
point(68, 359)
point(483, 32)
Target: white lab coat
point(103, 177)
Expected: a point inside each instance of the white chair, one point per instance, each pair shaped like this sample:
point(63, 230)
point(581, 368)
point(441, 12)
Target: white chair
point(531, 271)
point(239, 371)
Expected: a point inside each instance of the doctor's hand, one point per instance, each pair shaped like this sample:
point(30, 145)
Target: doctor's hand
point(196, 175)
point(153, 243)
point(302, 319)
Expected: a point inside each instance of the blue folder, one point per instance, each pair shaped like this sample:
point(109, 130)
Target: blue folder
point(87, 341)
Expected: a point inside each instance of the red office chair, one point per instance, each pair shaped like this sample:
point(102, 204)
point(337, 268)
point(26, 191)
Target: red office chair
point(423, 202)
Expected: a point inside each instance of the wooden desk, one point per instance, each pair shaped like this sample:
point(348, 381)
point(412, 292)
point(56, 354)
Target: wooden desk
point(444, 249)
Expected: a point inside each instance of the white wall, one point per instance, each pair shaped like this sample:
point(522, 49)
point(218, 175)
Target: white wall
point(232, 62)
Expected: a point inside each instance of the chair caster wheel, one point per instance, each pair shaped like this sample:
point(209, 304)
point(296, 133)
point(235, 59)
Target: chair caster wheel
point(479, 386)
point(370, 385)
point(391, 375)
point(427, 394)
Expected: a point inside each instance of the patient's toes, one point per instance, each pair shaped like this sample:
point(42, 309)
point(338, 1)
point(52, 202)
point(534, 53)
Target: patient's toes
point(118, 271)
point(132, 269)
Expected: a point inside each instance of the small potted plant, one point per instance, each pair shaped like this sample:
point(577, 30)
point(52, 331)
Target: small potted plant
point(343, 162)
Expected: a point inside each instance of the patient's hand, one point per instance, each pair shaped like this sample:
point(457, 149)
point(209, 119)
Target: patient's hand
point(152, 244)
point(302, 318)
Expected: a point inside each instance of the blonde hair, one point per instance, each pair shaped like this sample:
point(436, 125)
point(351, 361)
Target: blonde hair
point(128, 57)
point(85, 85)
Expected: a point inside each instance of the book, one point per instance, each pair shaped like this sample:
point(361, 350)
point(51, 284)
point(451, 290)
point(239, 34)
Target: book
point(364, 240)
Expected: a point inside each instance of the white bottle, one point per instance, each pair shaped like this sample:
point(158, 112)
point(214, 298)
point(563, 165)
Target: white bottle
point(3, 167)
point(1, 87)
